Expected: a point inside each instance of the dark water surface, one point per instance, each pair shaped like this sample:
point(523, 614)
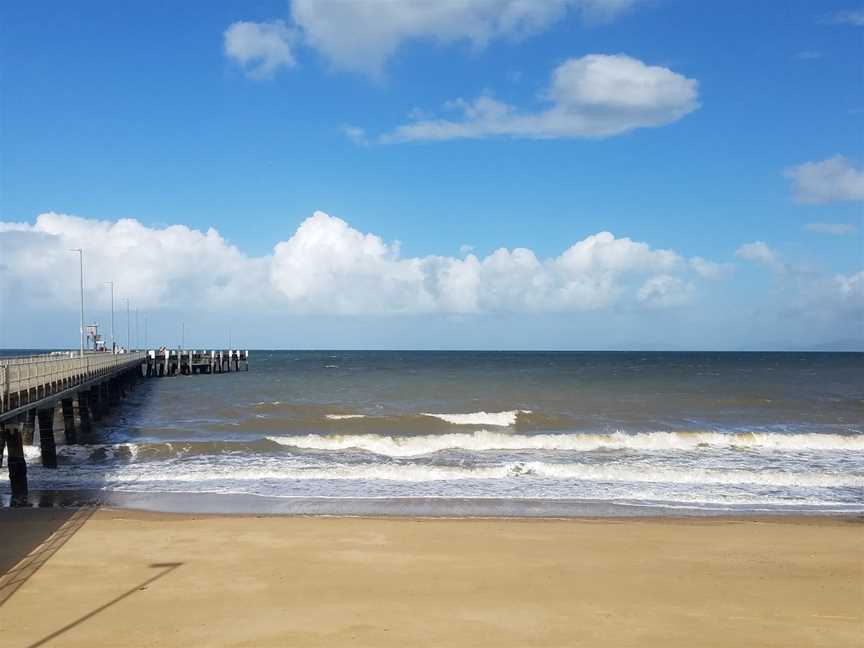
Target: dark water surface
point(676, 431)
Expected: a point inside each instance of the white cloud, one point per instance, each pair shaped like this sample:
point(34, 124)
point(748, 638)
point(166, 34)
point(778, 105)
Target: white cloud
point(830, 180)
point(710, 269)
point(821, 297)
point(593, 96)
point(664, 291)
point(356, 135)
point(327, 267)
point(363, 34)
point(760, 253)
point(854, 17)
point(806, 294)
point(837, 229)
point(260, 48)
point(156, 267)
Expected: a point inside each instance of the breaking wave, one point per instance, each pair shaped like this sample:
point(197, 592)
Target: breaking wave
point(498, 419)
point(196, 472)
point(407, 446)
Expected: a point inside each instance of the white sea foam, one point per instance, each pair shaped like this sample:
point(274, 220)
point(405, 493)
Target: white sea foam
point(342, 417)
point(200, 472)
point(498, 419)
point(407, 446)
point(83, 453)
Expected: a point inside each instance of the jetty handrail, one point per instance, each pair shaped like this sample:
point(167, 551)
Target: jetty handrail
point(22, 359)
point(21, 374)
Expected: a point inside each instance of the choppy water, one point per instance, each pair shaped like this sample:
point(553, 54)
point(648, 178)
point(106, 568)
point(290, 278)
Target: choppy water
point(717, 431)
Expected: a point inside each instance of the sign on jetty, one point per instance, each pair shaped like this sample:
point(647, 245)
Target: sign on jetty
point(78, 389)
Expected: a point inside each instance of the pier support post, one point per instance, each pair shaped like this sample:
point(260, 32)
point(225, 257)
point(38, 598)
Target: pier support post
point(46, 437)
point(94, 403)
point(114, 391)
point(69, 421)
point(28, 427)
point(17, 464)
point(84, 411)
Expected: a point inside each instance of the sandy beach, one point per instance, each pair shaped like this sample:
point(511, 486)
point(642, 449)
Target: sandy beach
point(124, 578)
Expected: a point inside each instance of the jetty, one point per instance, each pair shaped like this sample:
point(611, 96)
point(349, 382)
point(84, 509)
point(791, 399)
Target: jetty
point(42, 394)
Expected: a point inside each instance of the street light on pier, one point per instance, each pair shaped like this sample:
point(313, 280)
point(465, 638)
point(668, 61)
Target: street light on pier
point(128, 326)
point(113, 341)
point(80, 252)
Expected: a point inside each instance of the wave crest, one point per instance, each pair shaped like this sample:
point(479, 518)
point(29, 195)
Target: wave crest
point(394, 472)
point(407, 446)
point(498, 419)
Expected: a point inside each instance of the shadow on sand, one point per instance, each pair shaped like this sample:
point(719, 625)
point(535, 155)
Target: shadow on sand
point(32, 536)
point(164, 570)
point(33, 526)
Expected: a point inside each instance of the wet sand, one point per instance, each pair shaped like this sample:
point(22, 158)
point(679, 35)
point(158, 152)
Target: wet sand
point(126, 578)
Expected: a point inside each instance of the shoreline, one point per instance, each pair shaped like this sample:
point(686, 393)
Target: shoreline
point(180, 579)
point(405, 507)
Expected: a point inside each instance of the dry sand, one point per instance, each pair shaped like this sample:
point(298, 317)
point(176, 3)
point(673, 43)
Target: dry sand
point(146, 579)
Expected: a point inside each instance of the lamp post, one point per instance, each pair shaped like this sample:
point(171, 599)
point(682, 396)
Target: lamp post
point(80, 252)
point(128, 327)
point(113, 342)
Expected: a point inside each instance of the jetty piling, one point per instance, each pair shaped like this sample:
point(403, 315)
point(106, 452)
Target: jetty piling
point(78, 390)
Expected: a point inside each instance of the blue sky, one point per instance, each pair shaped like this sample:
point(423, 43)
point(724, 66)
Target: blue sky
point(149, 112)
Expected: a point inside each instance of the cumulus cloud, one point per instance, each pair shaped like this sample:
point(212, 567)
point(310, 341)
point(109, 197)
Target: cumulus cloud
point(836, 229)
point(759, 252)
point(363, 34)
point(831, 180)
point(260, 48)
point(156, 267)
point(596, 95)
point(329, 267)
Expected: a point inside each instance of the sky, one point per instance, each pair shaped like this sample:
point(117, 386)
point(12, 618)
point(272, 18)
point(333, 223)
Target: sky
point(494, 174)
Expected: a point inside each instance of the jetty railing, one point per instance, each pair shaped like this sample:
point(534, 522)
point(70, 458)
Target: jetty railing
point(24, 380)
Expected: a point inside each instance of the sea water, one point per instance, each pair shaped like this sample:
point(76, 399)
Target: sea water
point(738, 432)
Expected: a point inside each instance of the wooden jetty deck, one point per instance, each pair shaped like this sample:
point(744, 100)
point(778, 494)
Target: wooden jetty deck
point(36, 389)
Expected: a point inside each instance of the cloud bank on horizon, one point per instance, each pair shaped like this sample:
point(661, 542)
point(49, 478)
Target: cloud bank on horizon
point(329, 267)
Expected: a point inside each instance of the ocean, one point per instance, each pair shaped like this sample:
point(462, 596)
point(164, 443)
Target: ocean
point(569, 433)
